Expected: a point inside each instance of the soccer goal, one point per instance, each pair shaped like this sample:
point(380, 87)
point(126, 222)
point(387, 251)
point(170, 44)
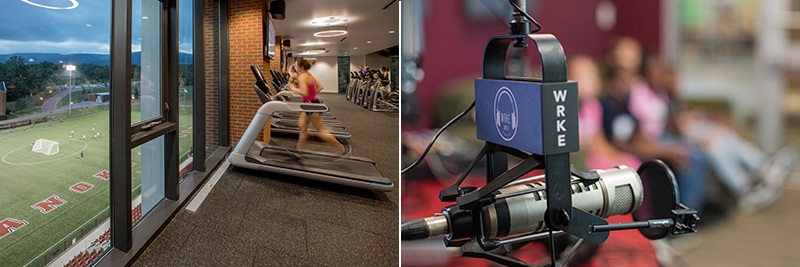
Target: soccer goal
point(46, 147)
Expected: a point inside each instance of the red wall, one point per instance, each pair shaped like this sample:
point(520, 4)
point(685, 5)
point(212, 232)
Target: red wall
point(454, 45)
point(640, 19)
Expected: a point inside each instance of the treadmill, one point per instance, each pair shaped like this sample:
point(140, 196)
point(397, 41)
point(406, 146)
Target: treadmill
point(291, 117)
point(334, 168)
point(289, 126)
point(327, 117)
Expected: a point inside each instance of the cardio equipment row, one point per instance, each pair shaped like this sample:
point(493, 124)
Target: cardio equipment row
point(371, 90)
point(281, 105)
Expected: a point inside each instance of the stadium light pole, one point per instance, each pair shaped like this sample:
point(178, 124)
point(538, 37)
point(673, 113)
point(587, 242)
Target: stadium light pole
point(70, 68)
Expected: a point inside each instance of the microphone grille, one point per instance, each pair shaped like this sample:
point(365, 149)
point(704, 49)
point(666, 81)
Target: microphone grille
point(623, 199)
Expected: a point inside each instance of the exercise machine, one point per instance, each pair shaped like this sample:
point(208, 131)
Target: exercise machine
point(287, 126)
point(354, 82)
point(334, 168)
point(287, 122)
point(381, 97)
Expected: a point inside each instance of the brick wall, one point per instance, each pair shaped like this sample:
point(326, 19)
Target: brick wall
point(246, 48)
point(211, 46)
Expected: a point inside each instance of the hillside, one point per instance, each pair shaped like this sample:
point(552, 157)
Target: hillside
point(96, 59)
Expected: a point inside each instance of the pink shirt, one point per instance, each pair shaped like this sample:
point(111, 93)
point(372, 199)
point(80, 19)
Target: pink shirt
point(590, 118)
point(650, 108)
point(312, 90)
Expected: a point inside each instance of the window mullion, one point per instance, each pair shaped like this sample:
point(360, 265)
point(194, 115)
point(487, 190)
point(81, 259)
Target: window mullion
point(171, 147)
point(120, 122)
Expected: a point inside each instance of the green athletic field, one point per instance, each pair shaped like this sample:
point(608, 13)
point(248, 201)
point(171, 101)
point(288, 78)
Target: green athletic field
point(27, 178)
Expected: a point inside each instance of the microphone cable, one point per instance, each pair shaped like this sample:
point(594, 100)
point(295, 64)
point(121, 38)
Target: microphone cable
point(433, 140)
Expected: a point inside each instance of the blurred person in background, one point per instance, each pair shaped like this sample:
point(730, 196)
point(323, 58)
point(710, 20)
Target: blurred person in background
point(635, 116)
point(385, 72)
point(754, 177)
point(293, 75)
point(599, 153)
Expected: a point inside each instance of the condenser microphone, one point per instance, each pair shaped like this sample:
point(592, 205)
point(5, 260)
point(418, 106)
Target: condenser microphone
point(520, 207)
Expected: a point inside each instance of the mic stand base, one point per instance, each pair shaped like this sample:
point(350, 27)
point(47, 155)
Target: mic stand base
point(474, 250)
point(500, 254)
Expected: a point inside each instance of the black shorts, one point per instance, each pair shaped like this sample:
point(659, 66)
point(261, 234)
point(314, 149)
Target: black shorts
point(311, 113)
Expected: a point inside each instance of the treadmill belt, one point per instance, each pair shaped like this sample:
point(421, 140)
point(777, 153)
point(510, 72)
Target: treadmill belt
point(347, 168)
point(295, 115)
point(278, 127)
point(294, 123)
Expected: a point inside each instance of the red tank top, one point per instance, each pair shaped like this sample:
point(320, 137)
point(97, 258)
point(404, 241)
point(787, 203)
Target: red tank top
point(312, 91)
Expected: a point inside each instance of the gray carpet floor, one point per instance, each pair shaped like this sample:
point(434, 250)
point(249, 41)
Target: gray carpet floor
point(254, 218)
point(766, 238)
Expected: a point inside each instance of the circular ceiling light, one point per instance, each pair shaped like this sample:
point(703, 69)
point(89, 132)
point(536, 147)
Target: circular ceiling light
point(73, 4)
point(331, 31)
point(328, 21)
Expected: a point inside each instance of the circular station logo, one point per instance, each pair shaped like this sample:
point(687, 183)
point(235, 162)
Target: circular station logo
point(505, 113)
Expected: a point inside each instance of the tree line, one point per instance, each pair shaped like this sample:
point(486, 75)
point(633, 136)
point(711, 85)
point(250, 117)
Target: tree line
point(23, 79)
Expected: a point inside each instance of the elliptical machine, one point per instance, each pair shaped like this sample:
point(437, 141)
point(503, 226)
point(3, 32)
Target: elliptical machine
point(381, 97)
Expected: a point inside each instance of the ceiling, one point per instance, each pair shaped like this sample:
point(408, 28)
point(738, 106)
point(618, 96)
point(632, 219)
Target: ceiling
point(367, 21)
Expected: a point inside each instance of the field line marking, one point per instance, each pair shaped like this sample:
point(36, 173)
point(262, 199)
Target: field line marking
point(62, 239)
point(85, 145)
point(76, 229)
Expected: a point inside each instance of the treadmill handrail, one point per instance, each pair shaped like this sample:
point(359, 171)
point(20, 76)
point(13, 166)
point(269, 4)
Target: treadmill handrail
point(293, 107)
point(290, 93)
point(263, 114)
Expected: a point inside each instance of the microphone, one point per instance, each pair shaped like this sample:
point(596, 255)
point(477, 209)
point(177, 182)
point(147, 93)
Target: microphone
point(519, 208)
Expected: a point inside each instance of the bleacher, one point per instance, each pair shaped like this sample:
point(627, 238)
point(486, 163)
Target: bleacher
point(136, 213)
point(84, 258)
point(100, 245)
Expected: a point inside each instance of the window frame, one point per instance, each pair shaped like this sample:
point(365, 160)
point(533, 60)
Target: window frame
point(126, 241)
